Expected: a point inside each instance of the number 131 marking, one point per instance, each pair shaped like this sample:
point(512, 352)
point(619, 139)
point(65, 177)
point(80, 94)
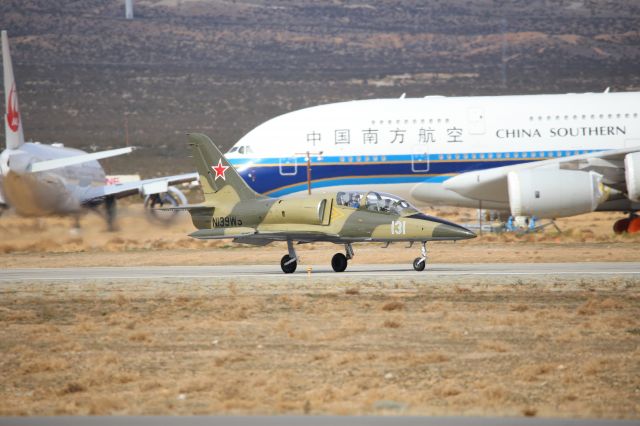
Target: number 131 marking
point(398, 227)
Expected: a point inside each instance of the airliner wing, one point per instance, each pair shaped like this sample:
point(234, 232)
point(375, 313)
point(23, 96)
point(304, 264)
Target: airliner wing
point(492, 184)
point(58, 163)
point(143, 187)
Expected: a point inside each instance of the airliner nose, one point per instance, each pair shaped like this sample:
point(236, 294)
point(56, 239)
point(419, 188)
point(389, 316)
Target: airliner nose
point(452, 232)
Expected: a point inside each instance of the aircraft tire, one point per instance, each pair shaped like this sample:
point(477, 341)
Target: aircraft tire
point(634, 225)
point(621, 226)
point(339, 262)
point(418, 265)
point(290, 268)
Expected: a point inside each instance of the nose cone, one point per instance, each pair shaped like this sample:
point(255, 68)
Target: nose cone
point(444, 229)
point(451, 231)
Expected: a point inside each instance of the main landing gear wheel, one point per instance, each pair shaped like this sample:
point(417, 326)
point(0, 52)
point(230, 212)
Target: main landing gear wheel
point(288, 266)
point(620, 226)
point(339, 262)
point(634, 225)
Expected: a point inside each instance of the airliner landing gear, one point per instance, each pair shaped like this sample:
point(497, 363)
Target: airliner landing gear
point(634, 225)
point(420, 262)
point(110, 212)
point(620, 226)
point(629, 224)
point(340, 261)
point(289, 261)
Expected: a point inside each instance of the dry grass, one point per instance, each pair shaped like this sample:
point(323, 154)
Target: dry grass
point(207, 348)
point(393, 306)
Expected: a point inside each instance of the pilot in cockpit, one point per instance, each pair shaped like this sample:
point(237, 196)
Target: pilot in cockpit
point(355, 201)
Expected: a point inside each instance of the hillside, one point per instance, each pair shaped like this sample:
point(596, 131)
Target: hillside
point(223, 67)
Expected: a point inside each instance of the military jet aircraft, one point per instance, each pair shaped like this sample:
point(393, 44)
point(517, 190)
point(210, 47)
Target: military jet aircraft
point(233, 210)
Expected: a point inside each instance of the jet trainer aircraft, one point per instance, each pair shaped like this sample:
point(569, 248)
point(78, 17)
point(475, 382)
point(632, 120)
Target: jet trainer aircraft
point(38, 179)
point(233, 210)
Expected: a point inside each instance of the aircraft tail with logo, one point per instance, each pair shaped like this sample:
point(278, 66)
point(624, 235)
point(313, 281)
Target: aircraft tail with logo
point(12, 120)
point(220, 181)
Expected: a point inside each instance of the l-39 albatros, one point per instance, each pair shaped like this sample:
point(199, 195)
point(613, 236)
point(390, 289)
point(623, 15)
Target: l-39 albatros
point(39, 179)
point(233, 210)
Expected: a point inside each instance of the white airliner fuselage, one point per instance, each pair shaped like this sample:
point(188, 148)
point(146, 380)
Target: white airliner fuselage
point(56, 191)
point(412, 146)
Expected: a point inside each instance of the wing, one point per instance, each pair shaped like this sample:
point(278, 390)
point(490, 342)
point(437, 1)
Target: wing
point(143, 187)
point(58, 163)
point(492, 184)
point(245, 235)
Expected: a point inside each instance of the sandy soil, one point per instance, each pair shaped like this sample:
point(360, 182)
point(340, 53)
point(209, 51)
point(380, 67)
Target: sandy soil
point(50, 243)
point(474, 346)
point(566, 348)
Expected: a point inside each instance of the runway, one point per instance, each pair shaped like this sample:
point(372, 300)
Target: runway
point(433, 271)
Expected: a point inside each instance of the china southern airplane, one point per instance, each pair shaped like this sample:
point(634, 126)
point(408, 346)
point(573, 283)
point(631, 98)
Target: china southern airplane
point(546, 156)
point(39, 179)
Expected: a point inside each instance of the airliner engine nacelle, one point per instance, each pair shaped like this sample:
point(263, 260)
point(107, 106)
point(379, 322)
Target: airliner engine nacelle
point(632, 175)
point(172, 198)
point(554, 193)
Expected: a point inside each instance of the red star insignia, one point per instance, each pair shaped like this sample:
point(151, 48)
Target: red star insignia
point(220, 169)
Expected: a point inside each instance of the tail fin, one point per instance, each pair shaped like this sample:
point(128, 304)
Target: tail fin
point(217, 177)
point(12, 121)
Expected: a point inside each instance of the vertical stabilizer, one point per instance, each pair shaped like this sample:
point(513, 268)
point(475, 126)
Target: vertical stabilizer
point(217, 177)
point(12, 119)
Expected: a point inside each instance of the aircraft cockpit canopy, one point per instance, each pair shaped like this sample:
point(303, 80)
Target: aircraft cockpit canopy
point(242, 150)
point(375, 201)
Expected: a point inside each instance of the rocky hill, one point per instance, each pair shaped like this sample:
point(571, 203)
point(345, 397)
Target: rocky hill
point(223, 67)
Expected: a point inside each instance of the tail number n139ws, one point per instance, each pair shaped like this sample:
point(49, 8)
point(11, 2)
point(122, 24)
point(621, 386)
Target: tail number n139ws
point(398, 227)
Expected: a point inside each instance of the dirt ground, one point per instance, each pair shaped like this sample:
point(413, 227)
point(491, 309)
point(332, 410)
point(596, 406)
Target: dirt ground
point(560, 347)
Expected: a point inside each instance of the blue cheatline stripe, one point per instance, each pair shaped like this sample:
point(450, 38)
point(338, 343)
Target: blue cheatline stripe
point(372, 180)
point(371, 159)
point(267, 176)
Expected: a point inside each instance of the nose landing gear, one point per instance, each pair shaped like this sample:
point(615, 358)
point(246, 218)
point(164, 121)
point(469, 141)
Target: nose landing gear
point(419, 263)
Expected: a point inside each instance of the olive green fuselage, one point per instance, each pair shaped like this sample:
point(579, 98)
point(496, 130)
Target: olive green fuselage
point(320, 217)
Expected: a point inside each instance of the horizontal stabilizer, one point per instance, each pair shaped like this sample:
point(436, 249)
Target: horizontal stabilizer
point(188, 207)
point(77, 159)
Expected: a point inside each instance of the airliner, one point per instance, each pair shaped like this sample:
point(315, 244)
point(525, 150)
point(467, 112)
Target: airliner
point(40, 179)
point(544, 156)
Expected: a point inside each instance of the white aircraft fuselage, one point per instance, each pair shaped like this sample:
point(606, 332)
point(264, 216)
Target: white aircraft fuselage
point(411, 146)
point(56, 191)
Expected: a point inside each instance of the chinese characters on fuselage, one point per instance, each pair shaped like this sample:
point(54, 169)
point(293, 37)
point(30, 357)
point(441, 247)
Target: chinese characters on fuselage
point(371, 136)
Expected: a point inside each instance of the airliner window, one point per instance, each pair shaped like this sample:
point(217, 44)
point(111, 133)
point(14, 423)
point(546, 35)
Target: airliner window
point(248, 150)
point(234, 149)
point(241, 150)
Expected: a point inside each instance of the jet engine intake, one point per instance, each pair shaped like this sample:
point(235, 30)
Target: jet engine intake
point(311, 211)
point(551, 193)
